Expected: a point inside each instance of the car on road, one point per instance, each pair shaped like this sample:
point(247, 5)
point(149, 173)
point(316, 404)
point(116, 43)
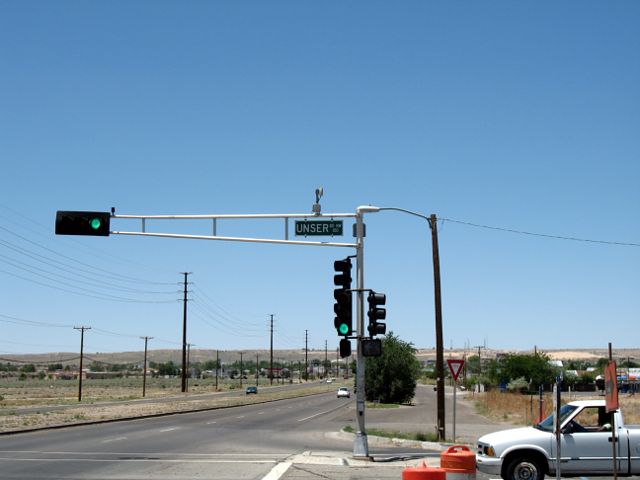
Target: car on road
point(344, 392)
point(252, 389)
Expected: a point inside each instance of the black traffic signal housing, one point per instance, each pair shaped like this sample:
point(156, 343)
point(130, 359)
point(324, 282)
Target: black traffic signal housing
point(83, 223)
point(343, 307)
point(376, 313)
point(345, 348)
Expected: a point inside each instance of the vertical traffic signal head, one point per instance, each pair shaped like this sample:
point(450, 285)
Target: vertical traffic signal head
point(376, 313)
point(345, 348)
point(343, 270)
point(83, 223)
point(343, 306)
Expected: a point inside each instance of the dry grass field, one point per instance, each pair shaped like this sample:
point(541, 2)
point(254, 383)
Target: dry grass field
point(524, 409)
point(23, 405)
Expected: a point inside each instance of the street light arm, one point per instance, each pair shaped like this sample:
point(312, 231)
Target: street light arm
point(373, 209)
point(406, 211)
point(433, 225)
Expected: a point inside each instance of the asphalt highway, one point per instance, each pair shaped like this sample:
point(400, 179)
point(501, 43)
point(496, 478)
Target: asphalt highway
point(293, 439)
point(240, 442)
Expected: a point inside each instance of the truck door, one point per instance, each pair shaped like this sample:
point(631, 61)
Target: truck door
point(586, 443)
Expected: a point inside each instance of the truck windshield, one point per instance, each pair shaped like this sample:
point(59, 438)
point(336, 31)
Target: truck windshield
point(547, 423)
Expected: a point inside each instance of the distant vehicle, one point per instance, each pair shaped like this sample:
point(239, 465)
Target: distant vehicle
point(329, 380)
point(250, 390)
point(344, 392)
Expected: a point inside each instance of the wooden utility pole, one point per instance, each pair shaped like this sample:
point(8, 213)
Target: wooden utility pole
point(144, 368)
point(306, 355)
point(433, 224)
point(271, 354)
point(217, 367)
point(184, 335)
point(82, 329)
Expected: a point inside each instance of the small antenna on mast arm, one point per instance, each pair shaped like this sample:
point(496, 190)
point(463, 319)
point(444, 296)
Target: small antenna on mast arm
point(316, 208)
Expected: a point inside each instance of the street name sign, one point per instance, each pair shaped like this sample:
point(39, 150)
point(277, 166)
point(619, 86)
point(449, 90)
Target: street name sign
point(310, 228)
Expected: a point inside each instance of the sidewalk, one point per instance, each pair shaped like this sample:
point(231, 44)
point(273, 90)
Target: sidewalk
point(421, 417)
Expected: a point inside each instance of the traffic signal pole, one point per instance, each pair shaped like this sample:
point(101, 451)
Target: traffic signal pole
point(360, 444)
point(82, 223)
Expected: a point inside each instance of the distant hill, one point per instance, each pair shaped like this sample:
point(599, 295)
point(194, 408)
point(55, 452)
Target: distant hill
point(293, 355)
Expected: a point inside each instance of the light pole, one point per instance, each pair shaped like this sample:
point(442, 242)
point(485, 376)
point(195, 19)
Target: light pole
point(433, 226)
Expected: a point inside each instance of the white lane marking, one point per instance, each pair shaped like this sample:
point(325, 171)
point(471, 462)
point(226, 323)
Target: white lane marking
point(170, 429)
point(313, 416)
point(277, 471)
point(211, 423)
point(321, 413)
point(117, 439)
point(241, 416)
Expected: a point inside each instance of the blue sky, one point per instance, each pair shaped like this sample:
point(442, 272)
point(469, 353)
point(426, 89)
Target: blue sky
point(518, 115)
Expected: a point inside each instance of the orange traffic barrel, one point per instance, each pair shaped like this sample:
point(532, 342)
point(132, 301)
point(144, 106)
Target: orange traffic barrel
point(423, 472)
point(459, 462)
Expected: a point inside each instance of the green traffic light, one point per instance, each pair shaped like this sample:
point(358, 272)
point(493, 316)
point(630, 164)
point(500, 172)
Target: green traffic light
point(343, 329)
point(95, 223)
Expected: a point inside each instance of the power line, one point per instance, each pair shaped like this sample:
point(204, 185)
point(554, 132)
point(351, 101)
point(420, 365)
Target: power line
point(88, 279)
point(91, 268)
point(522, 232)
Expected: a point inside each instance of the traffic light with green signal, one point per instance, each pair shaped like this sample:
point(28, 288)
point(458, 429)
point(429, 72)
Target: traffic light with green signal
point(343, 306)
point(83, 223)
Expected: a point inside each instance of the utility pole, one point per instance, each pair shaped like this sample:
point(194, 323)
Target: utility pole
point(257, 368)
point(144, 368)
point(479, 347)
point(184, 335)
point(433, 224)
point(217, 367)
point(241, 369)
point(326, 360)
point(271, 354)
point(82, 329)
point(189, 345)
point(306, 355)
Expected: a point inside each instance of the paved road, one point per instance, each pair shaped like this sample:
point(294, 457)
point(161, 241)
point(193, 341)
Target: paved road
point(295, 439)
point(238, 443)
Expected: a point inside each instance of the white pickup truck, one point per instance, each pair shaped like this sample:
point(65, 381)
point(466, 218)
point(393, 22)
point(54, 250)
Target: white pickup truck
point(585, 445)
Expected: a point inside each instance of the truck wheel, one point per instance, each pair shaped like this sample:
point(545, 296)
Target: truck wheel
point(524, 469)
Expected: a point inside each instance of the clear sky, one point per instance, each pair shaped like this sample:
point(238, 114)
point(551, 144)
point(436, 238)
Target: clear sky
point(523, 116)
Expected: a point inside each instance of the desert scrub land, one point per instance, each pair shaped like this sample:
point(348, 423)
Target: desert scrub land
point(520, 409)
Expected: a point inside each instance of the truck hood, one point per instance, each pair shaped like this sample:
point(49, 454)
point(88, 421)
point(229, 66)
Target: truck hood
point(515, 436)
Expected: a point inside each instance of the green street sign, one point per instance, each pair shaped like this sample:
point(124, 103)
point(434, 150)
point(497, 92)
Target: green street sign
point(309, 228)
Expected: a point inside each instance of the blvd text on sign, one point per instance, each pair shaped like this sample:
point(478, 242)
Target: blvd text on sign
point(319, 227)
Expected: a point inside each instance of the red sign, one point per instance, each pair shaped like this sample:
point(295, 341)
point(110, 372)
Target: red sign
point(611, 386)
point(455, 366)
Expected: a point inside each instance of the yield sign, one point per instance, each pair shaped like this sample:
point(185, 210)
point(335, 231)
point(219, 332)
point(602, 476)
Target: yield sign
point(455, 365)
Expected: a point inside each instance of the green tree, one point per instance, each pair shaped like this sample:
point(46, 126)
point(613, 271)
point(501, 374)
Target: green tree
point(532, 367)
point(96, 367)
point(28, 368)
point(168, 368)
point(393, 376)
